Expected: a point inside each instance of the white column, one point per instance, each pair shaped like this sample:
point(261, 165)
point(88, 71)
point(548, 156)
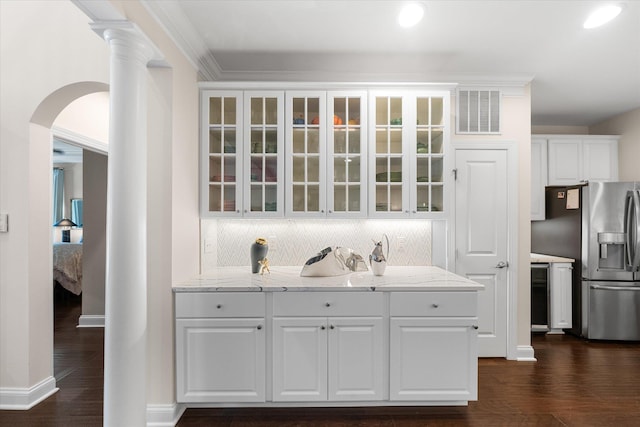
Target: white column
point(125, 398)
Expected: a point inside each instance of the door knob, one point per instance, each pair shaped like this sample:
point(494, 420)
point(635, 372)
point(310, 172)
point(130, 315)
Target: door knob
point(502, 264)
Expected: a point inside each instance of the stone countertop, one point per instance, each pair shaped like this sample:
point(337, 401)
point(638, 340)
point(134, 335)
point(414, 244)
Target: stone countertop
point(540, 258)
point(287, 278)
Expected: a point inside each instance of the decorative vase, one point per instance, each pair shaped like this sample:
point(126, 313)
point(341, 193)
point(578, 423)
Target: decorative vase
point(259, 251)
point(377, 259)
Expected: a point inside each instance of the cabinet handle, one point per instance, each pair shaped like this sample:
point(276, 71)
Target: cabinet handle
point(327, 304)
point(219, 306)
point(332, 327)
point(475, 326)
point(323, 327)
point(259, 327)
point(435, 305)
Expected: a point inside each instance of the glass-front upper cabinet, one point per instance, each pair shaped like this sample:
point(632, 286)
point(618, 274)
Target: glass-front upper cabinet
point(429, 147)
point(388, 166)
point(221, 156)
point(409, 138)
point(305, 163)
point(264, 143)
point(347, 154)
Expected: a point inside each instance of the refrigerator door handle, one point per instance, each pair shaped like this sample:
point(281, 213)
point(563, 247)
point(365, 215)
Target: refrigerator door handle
point(632, 229)
point(616, 288)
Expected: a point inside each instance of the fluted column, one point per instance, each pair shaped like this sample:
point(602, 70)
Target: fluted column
point(125, 344)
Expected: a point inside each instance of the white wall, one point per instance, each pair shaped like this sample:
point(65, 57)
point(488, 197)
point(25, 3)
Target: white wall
point(626, 125)
point(87, 116)
point(63, 62)
point(45, 46)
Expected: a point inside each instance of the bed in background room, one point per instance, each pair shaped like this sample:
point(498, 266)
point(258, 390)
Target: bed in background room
point(67, 266)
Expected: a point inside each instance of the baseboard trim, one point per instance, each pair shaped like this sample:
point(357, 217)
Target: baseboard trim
point(525, 353)
point(164, 415)
point(91, 321)
point(23, 399)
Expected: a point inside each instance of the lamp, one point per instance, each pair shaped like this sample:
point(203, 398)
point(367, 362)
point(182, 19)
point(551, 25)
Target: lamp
point(66, 225)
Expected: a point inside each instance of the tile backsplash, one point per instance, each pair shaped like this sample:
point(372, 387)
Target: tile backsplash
point(226, 242)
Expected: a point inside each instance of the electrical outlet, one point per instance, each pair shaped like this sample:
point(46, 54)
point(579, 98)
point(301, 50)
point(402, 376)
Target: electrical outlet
point(272, 241)
point(4, 223)
point(208, 246)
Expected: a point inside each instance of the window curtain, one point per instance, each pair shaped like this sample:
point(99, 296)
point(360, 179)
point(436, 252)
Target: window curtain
point(58, 194)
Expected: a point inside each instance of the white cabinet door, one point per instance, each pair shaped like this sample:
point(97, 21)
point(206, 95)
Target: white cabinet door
point(538, 177)
point(577, 159)
point(299, 359)
point(560, 298)
point(565, 161)
point(221, 153)
point(263, 171)
point(433, 359)
point(347, 154)
point(316, 359)
point(306, 182)
point(600, 160)
point(355, 358)
point(220, 360)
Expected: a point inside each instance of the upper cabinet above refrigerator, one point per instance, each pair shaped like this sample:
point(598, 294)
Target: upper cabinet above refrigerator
point(569, 160)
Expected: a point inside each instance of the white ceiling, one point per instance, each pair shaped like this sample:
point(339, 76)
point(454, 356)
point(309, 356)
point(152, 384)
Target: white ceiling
point(579, 77)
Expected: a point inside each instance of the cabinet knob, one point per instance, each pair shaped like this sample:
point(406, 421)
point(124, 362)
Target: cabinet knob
point(330, 211)
point(219, 306)
point(327, 304)
point(322, 211)
point(475, 326)
point(332, 327)
point(259, 327)
point(414, 211)
point(435, 305)
point(322, 327)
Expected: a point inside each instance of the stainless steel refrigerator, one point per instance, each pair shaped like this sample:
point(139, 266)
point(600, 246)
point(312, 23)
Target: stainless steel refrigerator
point(597, 224)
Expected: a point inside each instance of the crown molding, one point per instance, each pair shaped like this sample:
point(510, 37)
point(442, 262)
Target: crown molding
point(171, 17)
point(79, 140)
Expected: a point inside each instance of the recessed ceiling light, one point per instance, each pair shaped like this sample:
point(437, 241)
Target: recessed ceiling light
point(602, 15)
point(410, 15)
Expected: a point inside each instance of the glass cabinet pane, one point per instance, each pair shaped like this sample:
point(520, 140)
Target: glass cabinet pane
point(423, 198)
point(215, 141)
point(215, 198)
point(229, 111)
point(215, 110)
point(229, 198)
point(270, 198)
point(257, 111)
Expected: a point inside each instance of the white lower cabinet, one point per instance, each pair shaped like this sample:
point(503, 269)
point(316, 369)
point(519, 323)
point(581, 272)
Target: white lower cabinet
point(433, 346)
point(433, 359)
point(560, 311)
point(220, 347)
point(335, 358)
point(221, 360)
point(288, 348)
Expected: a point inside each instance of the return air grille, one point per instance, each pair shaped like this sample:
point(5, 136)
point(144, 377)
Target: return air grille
point(478, 111)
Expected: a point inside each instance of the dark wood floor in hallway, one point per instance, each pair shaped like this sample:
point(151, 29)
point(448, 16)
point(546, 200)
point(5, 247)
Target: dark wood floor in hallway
point(573, 383)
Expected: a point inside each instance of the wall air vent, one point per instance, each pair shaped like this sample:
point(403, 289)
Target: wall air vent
point(478, 111)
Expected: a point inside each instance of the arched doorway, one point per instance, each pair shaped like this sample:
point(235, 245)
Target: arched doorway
point(40, 142)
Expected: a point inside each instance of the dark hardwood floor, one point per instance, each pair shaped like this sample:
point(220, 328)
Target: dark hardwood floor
point(574, 383)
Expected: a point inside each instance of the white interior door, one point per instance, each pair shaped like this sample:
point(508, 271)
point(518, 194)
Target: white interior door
point(481, 239)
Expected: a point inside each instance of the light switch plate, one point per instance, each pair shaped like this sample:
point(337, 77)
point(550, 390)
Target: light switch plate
point(4, 223)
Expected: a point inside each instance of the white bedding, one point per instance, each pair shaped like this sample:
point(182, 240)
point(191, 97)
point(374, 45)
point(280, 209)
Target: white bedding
point(67, 266)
